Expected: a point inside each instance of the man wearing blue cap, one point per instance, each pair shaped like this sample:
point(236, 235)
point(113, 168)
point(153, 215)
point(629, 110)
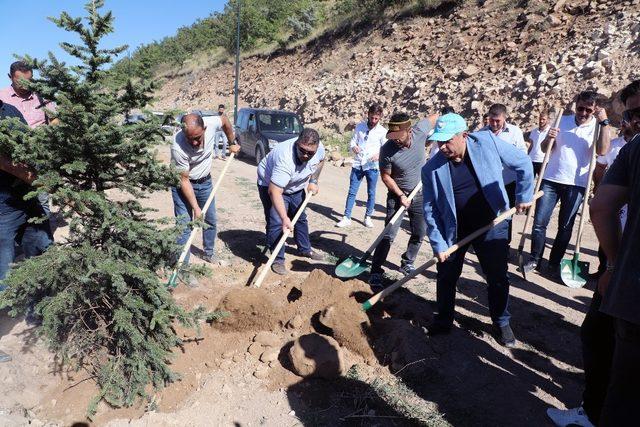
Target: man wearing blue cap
point(464, 191)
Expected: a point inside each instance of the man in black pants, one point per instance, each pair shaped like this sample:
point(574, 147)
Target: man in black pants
point(611, 329)
point(401, 159)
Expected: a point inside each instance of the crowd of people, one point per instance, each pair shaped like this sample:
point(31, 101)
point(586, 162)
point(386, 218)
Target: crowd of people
point(451, 182)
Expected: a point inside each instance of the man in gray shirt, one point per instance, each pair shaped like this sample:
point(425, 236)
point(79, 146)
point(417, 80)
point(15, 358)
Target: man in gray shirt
point(401, 160)
point(191, 154)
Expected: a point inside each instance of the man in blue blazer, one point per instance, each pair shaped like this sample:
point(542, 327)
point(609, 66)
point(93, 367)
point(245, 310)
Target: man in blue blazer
point(464, 191)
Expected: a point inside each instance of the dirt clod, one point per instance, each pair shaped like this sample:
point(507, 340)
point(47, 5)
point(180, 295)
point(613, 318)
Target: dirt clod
point(267, 339)
point(315, 355)
point(269, 355)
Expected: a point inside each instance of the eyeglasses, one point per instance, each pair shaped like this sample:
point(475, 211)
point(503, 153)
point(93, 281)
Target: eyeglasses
point(585, 110)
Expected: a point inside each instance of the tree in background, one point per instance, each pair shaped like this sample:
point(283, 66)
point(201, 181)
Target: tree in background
point(103, 306)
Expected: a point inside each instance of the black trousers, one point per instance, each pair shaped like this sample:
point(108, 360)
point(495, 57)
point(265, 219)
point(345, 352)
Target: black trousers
point(598, 343)
point(623, 394)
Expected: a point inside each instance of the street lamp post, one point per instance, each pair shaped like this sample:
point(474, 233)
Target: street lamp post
point(235, 94)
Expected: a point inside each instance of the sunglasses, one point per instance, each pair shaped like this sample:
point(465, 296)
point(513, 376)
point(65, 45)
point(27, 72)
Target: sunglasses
point(585, 110)
point(306, 153)
point(631, 115)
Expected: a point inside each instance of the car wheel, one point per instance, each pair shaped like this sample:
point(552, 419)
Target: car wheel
point(259, 154)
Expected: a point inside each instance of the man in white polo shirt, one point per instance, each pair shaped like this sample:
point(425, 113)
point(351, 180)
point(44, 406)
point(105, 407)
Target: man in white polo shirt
point(191, 154)
point(511, 134)
point(282, 177)
point(367, 139)
point(536, 137)
point(565, 178)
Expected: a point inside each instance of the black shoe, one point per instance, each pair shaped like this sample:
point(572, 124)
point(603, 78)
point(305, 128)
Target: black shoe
point(437, 328)
point(507, 338)
point(553, 271)
point(279, 268)
point(375, 281)
point(313, 255)
point(211, 259)
point(407, 269)
point(530, 265)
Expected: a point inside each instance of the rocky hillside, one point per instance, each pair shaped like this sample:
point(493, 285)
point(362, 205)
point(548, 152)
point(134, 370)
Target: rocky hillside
point(520, 53)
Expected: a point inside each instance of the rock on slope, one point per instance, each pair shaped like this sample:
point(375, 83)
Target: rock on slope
point(518, 53)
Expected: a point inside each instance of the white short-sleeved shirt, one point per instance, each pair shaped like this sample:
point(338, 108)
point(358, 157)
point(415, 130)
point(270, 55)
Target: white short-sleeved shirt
point(537, 136)
point(369, 141)
point(185, 157)
point(614, 149)
point(571, 154)
point(510, 134)
point(283, 169)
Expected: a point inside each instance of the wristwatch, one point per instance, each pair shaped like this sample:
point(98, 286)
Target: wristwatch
point(605, 122)
point(313, 181)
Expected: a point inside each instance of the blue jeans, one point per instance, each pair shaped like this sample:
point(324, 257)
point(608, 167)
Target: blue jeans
point(570, 197)
point(15, 229)
point(354, 184)
point(220, 152)
point(274, 224)
point(492, 250)
point(184, 213)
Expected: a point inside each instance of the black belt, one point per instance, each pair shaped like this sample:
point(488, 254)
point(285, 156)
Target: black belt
point(200, 180)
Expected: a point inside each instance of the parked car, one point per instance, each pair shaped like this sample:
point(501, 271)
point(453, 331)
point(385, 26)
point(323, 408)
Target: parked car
point(260, 130)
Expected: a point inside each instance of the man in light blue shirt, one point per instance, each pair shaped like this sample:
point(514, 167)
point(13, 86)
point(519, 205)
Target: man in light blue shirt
point(463, 191)
point(367, 139)
point(282, 177)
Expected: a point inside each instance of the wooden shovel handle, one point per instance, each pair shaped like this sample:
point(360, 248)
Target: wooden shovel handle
point(283, 239)
point(187, 246)
point(543, 168)
point(394, 219)
point(380, 295)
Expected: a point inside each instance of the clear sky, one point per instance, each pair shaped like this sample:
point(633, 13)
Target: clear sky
point(25, 29)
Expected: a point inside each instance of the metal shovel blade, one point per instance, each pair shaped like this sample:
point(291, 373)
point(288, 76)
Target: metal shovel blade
point(351, 267)
point(521, 265)
point(574, 273)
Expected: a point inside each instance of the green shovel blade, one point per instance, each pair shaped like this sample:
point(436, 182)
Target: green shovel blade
point(574, 273)
point(351, 267)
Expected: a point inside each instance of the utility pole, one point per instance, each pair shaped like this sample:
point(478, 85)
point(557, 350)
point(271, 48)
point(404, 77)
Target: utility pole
point(235, 92)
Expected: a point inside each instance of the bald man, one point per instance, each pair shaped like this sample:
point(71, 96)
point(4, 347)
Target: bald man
point(192, 154)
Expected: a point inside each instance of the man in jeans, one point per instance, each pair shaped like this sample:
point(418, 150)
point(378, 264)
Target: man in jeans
point(401, 159)
point(565, 178)
point(367, 139)
point(611, 329)
point(221, 139)
point(15, 180)
point(282, 177)
point(511, 134)
point(191, 154)
point(463, 192)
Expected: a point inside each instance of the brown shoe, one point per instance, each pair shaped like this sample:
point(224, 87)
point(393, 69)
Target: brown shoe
point(313, 255)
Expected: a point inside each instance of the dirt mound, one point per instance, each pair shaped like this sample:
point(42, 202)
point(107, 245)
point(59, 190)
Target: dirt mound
point(315, 355)
point(249, 309)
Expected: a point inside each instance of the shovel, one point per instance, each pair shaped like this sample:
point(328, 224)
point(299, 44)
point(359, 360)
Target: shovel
point(187, 246)
point(574, 273)
point(380, 295)
point(523, 236)
point(352, 266)
point(283, 239)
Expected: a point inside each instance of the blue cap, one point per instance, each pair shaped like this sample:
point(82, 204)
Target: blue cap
point(447, 127)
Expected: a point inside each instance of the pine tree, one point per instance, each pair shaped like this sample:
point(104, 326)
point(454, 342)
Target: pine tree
point(104, 307)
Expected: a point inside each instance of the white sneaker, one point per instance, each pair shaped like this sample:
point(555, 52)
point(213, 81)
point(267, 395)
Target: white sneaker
point(367, 222)
point(344, 222)
point(573, 417)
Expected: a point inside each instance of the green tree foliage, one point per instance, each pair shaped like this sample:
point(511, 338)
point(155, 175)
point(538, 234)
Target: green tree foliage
point(103, 305)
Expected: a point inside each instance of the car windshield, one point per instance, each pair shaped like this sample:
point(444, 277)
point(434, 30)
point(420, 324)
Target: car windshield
point(279, 123)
